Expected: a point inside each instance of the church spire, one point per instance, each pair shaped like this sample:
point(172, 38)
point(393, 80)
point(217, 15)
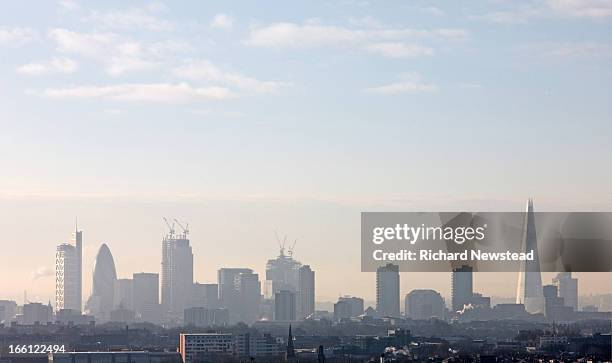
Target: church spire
point(290, 349)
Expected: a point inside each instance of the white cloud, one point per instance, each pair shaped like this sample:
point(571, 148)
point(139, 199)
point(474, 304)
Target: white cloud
point(156, 7)
point(399, 50)
point(594, 9)
point(69, 5)
point(118, 56)
point(16, 36)
point(143, 92)
point(222, 21)
point(433, 10)
point(566, 51)
point(129, 57)
point(411, 84)
point(515, 16)
point(86, 44)
point(582, 8)
point(129, 19)
point(387, 41)
point(198, 70)
point(55, 65)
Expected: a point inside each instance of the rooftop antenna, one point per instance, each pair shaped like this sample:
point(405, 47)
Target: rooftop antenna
point(184, 228)
point(170, 228)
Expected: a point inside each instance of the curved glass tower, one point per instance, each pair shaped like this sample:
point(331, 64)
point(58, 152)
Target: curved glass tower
point(100, 303)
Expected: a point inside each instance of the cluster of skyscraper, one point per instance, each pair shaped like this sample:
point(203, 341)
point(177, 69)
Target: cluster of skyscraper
point(531, 296)
point(289, 288)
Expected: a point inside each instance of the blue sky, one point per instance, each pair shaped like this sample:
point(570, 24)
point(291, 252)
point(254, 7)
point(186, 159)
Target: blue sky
point(344, 105)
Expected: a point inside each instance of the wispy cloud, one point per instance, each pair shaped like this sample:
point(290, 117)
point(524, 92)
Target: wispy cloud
point(117, 55)
point(69, 5)
point(204, 70)
point(54, 65)
point(222, 21)
point(433, 10)
point(387, 41)
point(410, 84)
point(129, 19)
point(145, 92)
point(42, 272)
point(399, 50)
point(517, 15)
point(566, 51)
point(524, 12)
point(15, 37)
point(581, 8)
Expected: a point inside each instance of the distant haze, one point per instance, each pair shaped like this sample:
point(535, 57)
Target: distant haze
point(229, 233)
point(244, 119)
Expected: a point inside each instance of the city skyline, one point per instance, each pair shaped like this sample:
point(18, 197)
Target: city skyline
point(245, 120)
point(319, 181)
point(549, 278)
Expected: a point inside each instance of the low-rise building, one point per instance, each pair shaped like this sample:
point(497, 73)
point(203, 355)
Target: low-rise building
point(192, 346)
point(115, 357)
point(257, 345)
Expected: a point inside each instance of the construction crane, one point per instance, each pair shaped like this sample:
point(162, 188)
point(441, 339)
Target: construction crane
point(281, 245)
point(292, 248)
point(184, 228)
point(170, 228)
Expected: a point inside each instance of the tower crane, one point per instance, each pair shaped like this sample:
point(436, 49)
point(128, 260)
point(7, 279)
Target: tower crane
point(184, 228)
point(170, 228)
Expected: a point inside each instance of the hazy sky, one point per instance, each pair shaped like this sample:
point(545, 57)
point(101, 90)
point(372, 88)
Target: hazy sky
point(246, 118)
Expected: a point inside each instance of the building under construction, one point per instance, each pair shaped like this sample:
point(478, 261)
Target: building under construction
point(176, 271)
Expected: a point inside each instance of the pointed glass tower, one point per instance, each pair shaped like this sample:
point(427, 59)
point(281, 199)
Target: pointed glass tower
point(529, 288)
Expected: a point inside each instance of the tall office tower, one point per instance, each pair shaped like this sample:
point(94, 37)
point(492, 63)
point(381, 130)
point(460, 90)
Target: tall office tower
point(282, 273)
point(66, 279)
point(176, 274)
point(529, 289)
point(205, 296)
point(568, 289)
point(228, 295)
point(78, 244)
point(285, 306)
point(100, 303)
point(462, 288)
point(146, 297)
point(424, 304)
point(387, 290)
point(124, 294)
point(248, 288)
point(306, 292)
point(69, 274)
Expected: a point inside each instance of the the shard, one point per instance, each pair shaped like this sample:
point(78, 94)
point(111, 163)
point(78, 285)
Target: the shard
point(529, 289)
